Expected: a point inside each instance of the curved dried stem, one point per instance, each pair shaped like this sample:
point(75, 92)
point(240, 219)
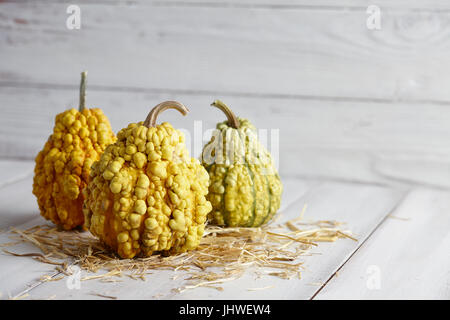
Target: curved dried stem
point(150, 121)
point(233, 121)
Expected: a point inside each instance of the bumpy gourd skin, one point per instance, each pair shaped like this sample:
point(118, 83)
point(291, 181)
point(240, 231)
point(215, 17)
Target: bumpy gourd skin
point(245, 189)
point(146, 194)
point(63, 166)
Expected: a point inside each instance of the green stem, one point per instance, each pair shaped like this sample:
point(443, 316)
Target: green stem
point(82, 105)
point(233, 121)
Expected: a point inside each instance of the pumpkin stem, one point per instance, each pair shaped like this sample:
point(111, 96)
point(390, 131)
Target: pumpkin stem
point(150, 121)
point(82, 105)
point(233, 121)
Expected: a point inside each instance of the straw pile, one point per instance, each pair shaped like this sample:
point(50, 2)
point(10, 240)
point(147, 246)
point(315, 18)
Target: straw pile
point(223, 255)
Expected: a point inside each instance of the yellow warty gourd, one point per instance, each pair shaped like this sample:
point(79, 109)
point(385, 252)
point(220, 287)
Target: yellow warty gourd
point(245, 189)
point(63, 166)
point(146, 194)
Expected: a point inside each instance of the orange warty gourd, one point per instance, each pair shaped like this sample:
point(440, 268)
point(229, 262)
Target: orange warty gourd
point(63, 166)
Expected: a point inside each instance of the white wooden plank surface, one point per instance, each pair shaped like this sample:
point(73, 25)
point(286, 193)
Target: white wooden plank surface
point(301, 52)
point(18, 274)
point(18, 208)
point(288, 4)
point(355, 141)
point(13, 170)
point(362, 206)
point(408, 257)
point(292, 4)
point(18, 204)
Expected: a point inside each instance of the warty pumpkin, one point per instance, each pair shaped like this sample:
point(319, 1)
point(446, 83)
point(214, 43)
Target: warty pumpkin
point(63, 166)
point(245, 188)
point(146, 194)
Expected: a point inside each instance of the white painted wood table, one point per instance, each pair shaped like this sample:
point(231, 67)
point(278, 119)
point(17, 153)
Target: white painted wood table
point(363, 118)
point(402, 249)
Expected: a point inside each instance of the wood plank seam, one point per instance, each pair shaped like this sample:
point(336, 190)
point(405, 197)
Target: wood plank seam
point(314, 184)
point(15, 180)
point(284, 96)
point(409, 182)
point(237, 5)
point(37, 284)
point(333, 274)
point(297, 7)
point(342, 180)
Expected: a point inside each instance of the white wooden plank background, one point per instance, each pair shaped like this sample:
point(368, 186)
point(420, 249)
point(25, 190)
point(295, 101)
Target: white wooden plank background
point(299, 52)
point(363, 117)
point(354, 141)
point(13, 170)
point(18, 209)
point(414, 264)
point(371, 105)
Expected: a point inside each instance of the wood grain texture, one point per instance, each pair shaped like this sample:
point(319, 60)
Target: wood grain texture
point(316, 54)
point(355, 141)
point(18, 204)
point(408, 257)
point(363, 207)
point(406, 4)
point(13, 170)
point(19, 274)
point(18, 209)
point(438, 6)
point(321, 4)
